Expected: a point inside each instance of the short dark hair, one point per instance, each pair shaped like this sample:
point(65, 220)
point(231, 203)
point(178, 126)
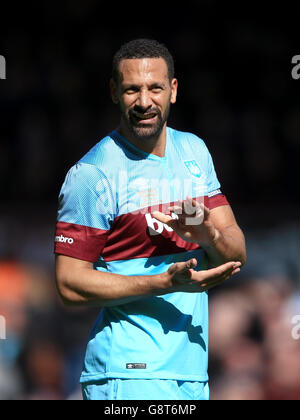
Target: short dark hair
point(142, 48)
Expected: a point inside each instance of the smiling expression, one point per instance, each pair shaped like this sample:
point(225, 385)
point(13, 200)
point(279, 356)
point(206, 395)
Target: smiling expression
point(144, 93)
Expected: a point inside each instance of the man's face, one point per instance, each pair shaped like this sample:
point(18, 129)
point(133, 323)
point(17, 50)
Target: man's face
point(144, 93)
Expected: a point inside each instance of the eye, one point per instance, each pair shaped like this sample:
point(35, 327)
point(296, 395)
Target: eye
point(131, 90)
point(156, 89)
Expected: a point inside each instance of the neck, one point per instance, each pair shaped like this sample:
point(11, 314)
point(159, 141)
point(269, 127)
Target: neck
point(155, 146)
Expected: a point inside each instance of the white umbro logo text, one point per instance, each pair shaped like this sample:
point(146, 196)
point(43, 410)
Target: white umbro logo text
point(64, 240)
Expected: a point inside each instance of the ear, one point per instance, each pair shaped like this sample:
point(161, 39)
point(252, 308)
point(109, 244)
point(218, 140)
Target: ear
point(174, 87)
point(113, 91)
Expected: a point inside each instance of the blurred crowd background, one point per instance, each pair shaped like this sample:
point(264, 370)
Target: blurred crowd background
point(236, 92)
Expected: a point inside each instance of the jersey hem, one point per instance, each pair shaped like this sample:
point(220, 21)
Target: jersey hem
point(136, 375)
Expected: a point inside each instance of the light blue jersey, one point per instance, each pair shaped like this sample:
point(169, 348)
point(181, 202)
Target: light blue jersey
point(105, 217)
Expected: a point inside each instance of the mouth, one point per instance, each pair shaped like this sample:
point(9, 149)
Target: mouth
point(148, 118)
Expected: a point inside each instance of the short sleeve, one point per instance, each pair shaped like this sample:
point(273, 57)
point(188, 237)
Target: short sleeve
point(215, 196)
point(86, 211)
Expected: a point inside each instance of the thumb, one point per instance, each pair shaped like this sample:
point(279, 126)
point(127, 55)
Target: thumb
point(164, 218)
point(206, 212)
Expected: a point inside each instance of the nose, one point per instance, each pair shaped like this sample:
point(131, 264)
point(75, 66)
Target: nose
point(144, 99)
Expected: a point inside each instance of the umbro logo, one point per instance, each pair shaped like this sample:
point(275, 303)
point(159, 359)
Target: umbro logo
point(64, 240)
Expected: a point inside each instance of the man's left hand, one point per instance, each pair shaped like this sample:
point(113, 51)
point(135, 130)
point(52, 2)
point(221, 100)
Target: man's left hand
point(193, 223)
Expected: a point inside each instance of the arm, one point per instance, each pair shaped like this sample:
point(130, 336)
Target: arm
point(79, 284)
point(228, 242)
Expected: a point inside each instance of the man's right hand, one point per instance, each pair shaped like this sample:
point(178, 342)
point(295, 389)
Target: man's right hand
point(181, 276)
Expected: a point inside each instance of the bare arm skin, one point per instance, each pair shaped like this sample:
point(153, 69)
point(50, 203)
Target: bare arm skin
point(229, 241)
point(79, 284)
point(216, 231)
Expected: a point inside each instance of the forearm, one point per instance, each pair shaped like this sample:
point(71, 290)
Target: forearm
point(90, 287)
point(79, 284)
point(229, 245)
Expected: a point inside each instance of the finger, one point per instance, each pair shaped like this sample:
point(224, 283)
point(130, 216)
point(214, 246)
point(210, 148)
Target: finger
point(175, 209)
point(182, 267)
point(206, 212)
point(220, 271)
point(196, 211)
point(180, 207)
point(186, 211)
point(161, 217)
point(192, 263)
point(184, 207)
point(210, 284)
point(191, 207)
point(185, 265)
point(188, 215)
point(194, 202)
point(167, 220)
point(200, 206)
point(216, 273)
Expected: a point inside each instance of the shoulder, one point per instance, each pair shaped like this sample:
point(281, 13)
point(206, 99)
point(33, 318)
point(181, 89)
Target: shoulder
point(188, 141)
point(98, 163)
point(102, 153)
point(186, 137)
